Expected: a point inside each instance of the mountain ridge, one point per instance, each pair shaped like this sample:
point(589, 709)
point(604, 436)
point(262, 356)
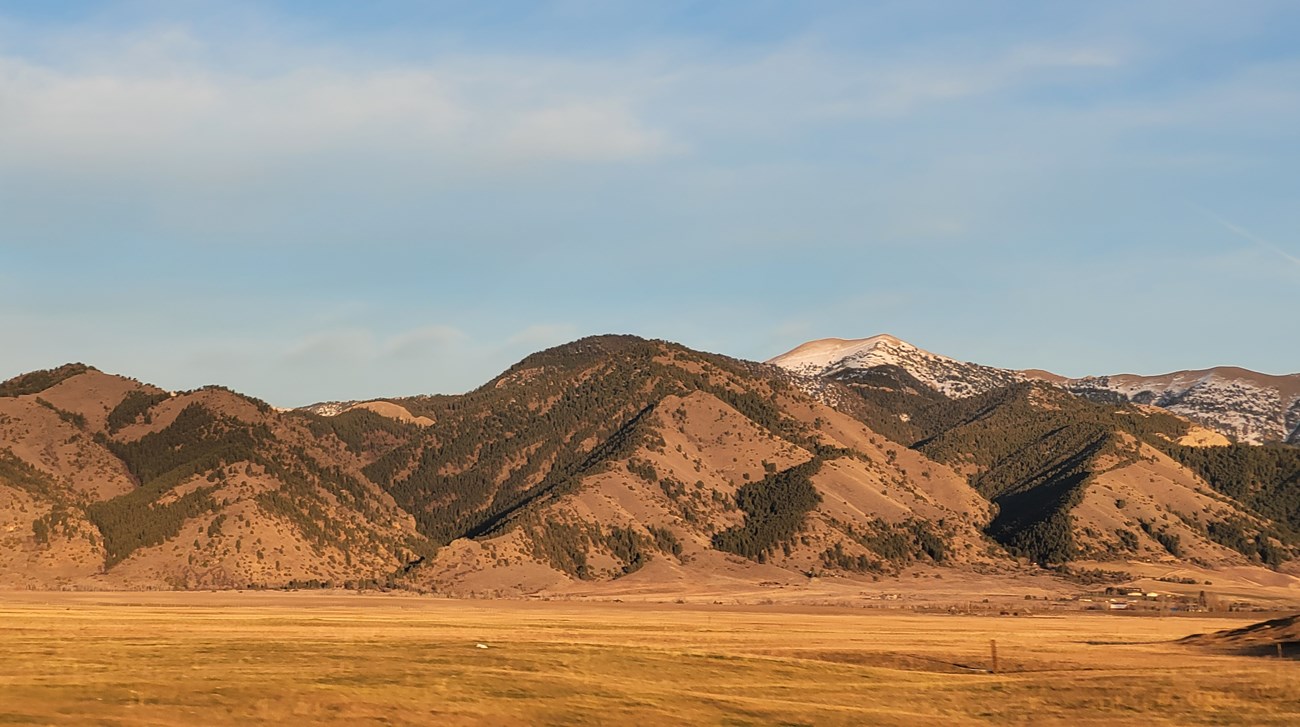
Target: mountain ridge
point(1246, 405)
point(613, 458)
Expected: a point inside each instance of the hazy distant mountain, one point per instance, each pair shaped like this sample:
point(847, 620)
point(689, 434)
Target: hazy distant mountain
point(1247, 406)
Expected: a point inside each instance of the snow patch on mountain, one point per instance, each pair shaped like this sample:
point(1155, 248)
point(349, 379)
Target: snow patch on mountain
point(1247, 410)
point(329, 408)
point(958, 379)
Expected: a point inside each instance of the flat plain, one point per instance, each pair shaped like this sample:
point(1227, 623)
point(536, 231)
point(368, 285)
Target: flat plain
point(322, 658)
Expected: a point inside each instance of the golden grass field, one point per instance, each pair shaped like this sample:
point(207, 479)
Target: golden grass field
point(235, 659)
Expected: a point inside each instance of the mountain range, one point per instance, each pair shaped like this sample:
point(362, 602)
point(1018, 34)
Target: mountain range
point(615, 460)
point(1240, 404)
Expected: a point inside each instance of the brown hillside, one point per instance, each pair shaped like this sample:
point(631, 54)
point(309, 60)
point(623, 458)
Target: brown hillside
point(1158, 502)
point(201, 489)
point(57, 445)
point(1267, 638)
point(610, 459)
point(676, 490)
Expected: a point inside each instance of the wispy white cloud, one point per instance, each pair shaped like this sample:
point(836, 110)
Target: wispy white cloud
point(902, 88)
point(424, 342)
point(543, 334)
point(200, 120)
point(361, 361)
point(158, 99)
point(590, 131)
point(349, 345)
point(358, 344)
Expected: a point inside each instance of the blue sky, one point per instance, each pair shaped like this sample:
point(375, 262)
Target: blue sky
point(318, 200)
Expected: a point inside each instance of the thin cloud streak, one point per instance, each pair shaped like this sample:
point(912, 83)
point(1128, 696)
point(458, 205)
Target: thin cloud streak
point(1252, 237)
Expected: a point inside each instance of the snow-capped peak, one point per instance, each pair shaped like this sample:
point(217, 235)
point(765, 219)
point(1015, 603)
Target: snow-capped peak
point(827, 355)
point(831, 356)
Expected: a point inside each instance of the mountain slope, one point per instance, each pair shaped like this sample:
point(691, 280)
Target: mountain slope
point(699, 491)
point(108, 482)
point(579, 458)
point(1075, 479)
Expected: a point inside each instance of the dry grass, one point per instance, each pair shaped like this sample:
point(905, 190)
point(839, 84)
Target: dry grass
point(183, 659)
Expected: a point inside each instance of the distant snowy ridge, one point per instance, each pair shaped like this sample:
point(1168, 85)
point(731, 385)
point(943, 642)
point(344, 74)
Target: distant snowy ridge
point(1247, 406)
point(329, 408)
